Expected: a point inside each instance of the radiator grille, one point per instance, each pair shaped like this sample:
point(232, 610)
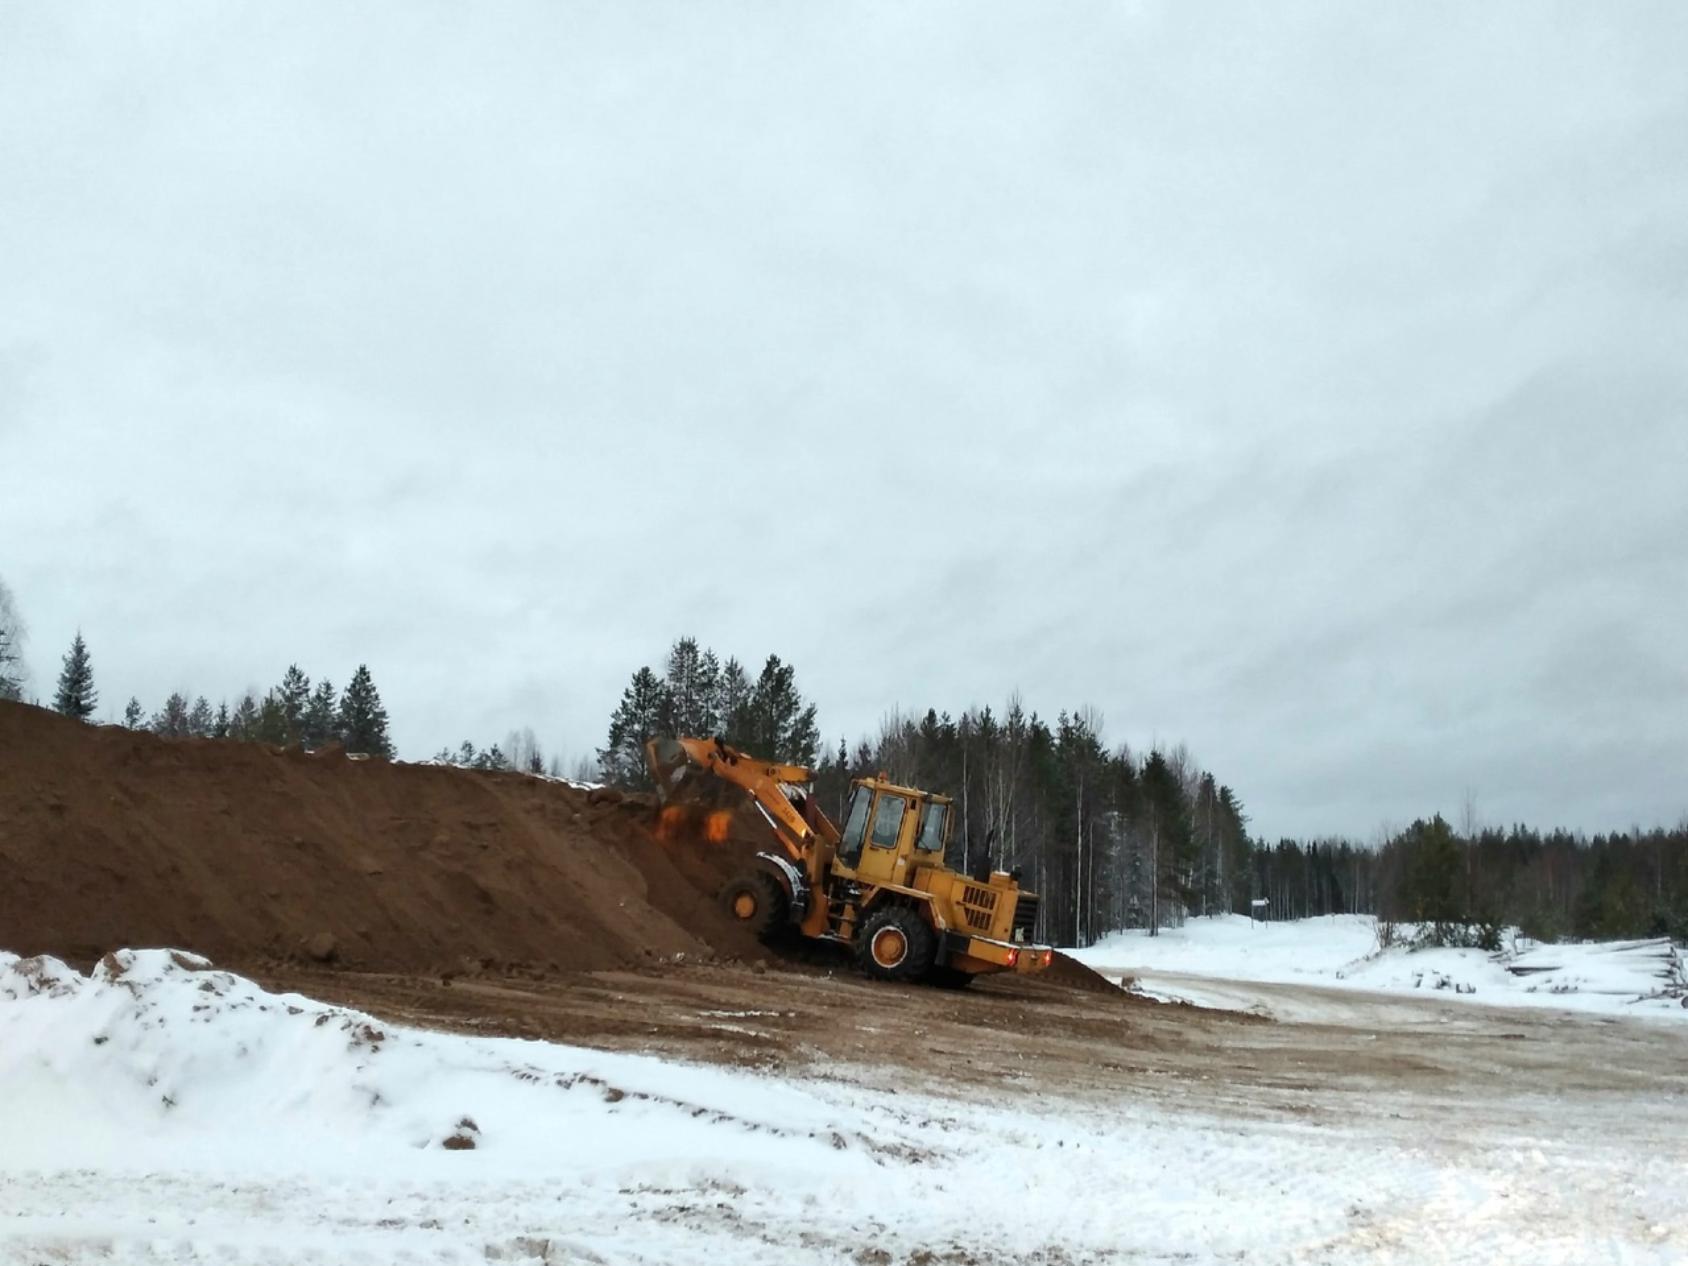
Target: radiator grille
point(978, 906)
point(1025, 913)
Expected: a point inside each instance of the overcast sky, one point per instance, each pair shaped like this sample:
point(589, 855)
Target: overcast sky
point(1307, 384)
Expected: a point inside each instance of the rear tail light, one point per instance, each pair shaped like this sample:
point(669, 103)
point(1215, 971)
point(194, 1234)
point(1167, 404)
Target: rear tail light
point(1013, 957)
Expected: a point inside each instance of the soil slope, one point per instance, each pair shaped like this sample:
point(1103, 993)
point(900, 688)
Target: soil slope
point(248, 853)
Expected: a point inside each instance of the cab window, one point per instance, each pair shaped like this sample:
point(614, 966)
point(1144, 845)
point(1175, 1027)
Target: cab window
point(888, 820)
point(855, 825)
point(932, 828)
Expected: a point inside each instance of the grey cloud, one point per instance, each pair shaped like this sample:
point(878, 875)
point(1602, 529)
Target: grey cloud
point(1302, 383)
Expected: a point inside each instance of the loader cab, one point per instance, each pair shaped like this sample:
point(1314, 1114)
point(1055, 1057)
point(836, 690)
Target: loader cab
point(889, 830)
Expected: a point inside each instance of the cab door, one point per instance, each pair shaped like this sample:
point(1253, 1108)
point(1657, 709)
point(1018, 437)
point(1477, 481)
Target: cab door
point(884, 833)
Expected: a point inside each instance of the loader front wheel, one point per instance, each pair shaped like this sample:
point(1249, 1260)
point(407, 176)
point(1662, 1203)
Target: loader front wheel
point(895, 944)
point(757, 901)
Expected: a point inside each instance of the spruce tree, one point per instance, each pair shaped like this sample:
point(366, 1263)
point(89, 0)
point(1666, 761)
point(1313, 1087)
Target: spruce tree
point(172, 720)
point(692, 683)
point(76, 695)
point(638, 717)
point(732, 703)
point(220, 727)
point(244, 724)
point(781, 727)
point(272, 721)
point(200, 718)
point(1166, 823)
point(363, 721)
point(294, 696)
point(133, 715)
point(321, 721)
point(1433, 876)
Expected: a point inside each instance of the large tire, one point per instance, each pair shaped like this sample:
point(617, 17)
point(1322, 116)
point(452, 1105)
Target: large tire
point(895, 943)
point(758, 902)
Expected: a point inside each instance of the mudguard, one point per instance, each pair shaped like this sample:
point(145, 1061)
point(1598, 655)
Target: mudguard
point(795, 881)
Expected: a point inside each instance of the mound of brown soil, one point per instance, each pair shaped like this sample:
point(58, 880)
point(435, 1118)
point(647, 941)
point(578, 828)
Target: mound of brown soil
point(1069, 971)
point(244, 852)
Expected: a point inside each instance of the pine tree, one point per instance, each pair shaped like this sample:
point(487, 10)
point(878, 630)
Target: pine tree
point(1433, 871)
point(639, 716)
point(1170, 840)
point(294, 695)
point(133, 715)
point(244, 724)
point(272, 721)
point(465, 755)
point(363, 721)
point(732, 703)
point(321, 720)
point(172, 720)
point(76, 695)
point(201, 720)
point(692, 682)
point(780, 727)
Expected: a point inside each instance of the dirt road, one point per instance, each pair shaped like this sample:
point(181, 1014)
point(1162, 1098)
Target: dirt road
point(1050, 1039)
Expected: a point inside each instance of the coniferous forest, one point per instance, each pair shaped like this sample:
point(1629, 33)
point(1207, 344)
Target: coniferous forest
point(1115, 838)
point(1111, 837)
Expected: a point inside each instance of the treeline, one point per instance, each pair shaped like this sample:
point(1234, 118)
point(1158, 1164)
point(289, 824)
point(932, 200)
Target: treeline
point(1467, 885)
point(700, 695)
point(520, 751)
point(1113, 838)
point(291, 713)
point(1109, 839)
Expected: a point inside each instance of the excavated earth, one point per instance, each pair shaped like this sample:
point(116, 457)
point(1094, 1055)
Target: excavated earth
point(255, 855)
point(509, 905)
point(262, 857)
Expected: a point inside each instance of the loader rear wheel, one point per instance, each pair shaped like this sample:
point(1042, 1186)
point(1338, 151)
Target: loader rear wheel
point(758, 902)
point(895, 944)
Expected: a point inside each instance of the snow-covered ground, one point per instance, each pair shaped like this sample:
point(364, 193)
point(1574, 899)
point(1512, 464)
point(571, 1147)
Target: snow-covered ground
point(159, 1110)
point(1206, 960)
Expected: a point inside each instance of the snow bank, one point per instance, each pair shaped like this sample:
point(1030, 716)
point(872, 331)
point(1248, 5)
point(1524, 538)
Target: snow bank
point(156, 1058)
point(1341, 951)
point(161, 1110)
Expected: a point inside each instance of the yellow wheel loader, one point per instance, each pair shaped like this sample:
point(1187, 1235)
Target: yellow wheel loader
point(878, 885)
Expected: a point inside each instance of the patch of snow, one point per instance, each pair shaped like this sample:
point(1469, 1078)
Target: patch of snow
point(1630, 978)
point(161, 1110)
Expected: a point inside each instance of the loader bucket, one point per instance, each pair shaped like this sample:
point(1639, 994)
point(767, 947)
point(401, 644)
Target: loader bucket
point(692, 803)
point(675, 775)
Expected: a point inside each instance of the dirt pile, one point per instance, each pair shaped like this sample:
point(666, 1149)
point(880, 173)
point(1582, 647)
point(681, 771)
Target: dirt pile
point(248, 853)
point(1066, 970)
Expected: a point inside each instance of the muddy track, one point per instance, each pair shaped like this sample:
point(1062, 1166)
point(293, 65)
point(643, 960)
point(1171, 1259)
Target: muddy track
point(1037, 1037)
